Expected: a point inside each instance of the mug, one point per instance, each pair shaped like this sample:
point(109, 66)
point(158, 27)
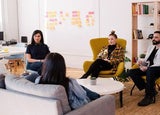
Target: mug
point(93, 82)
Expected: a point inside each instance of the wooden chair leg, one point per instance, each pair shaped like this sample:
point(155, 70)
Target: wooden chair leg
point(132, 89)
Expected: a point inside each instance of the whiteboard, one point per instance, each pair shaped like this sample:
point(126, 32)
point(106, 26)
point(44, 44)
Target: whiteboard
point(70, 24)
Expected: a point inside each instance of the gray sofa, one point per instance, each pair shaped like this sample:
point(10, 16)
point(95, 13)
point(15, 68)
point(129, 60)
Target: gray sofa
point(22, 97)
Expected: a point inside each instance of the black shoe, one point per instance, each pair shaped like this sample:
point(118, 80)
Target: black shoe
point(147, 100)
point(84, 76)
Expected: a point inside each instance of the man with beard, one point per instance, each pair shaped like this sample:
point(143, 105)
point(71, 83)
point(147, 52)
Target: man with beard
point(150, 67)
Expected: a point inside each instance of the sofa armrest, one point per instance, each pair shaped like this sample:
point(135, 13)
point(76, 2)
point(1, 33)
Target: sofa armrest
point(104, 105)
point(16, 103)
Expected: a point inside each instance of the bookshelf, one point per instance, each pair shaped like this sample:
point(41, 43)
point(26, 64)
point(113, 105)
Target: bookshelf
point(145, 20)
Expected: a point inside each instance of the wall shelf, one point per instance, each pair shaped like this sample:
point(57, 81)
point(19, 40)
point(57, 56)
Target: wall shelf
point(143, 14)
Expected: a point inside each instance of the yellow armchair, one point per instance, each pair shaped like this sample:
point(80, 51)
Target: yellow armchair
point(96, 45)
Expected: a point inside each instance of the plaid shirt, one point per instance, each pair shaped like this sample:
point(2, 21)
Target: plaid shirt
point(116, 56)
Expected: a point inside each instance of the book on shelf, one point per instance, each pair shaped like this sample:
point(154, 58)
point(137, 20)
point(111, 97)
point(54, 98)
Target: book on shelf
point(137, 34)
point(139, 9)
point(143, 9)
point(134, 9)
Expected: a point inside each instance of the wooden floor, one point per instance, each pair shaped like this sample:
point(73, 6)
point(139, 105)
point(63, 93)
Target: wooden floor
point(129, 102)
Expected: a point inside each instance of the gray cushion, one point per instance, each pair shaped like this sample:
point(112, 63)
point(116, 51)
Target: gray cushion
point(43, 90)
point(2, 83)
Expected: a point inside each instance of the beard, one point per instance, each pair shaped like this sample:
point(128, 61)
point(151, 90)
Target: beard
point(155, 42)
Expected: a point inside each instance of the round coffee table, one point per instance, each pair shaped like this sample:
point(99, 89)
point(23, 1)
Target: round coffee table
point(104, 86)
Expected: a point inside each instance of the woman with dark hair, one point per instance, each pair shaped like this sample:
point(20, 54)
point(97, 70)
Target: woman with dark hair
point(36, 52)
point(54, 72)
point(109, 57)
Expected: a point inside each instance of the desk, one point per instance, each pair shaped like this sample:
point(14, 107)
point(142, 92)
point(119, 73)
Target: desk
point(8, 51)
point(104, 86)
point(11, 50)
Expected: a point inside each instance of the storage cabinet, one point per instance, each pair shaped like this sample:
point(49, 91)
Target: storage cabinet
point(145, 20)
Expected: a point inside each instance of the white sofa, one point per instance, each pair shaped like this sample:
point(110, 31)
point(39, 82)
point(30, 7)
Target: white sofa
point(22, 97)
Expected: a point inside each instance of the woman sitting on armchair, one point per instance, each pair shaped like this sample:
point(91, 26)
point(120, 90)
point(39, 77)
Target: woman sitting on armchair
point(108, 58)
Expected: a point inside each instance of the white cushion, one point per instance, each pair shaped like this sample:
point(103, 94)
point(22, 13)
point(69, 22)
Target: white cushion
point(42, 90)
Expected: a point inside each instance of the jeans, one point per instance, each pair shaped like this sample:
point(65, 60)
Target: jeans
point(35, 66)
point(136, 75)
point(31, 77)
point(97, 66)
point(152, 74)
point(92, 95)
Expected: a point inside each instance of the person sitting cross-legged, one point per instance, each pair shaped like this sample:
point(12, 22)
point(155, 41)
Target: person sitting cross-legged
point(108, 58)
point(151, 71)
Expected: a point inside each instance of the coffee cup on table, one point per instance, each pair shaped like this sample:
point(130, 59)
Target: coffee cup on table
point(93, 80)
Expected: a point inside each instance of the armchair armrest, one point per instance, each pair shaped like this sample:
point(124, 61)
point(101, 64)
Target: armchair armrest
point(104, 105)
point(87, 64)
point(120, 69)
point(135, 66)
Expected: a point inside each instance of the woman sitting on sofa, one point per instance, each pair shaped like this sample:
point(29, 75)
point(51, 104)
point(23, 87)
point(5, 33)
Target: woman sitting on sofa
point(54, 72)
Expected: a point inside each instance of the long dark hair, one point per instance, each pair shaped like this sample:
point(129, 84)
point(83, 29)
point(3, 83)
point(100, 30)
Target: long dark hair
point(37, 32)
point(54, 71)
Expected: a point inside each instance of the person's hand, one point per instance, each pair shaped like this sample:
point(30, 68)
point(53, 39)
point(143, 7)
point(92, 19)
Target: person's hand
point(143, 68)
point(139, 62)
point(42, 60)
point(106, 60)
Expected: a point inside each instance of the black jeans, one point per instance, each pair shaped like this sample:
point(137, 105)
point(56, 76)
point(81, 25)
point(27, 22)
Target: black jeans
point(136, 75)
point(32, 77)
point(97, 66)
point(152, 74)
point(92, 95)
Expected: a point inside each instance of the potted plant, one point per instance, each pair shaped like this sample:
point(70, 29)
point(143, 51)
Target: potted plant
point(142, 55)
point(126, 59)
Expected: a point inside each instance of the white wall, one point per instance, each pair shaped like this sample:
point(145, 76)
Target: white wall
point(114, 14)
point(10, 19)
point(28, 17)
point(70, 40)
